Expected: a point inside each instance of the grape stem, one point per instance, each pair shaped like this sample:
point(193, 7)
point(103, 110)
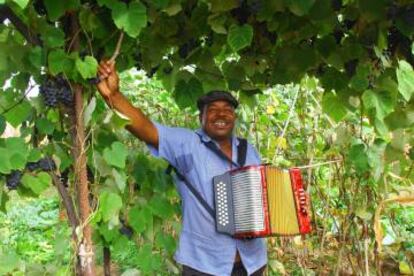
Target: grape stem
point(118, 48)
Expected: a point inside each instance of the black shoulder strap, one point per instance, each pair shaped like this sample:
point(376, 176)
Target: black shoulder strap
point(192, 189)
point(242, 152)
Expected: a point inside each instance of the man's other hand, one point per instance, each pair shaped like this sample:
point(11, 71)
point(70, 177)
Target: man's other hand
point(109, 80)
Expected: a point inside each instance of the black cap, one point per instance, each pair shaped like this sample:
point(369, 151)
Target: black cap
point(213, 96)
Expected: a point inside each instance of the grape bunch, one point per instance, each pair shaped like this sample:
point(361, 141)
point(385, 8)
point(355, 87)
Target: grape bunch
point(13, 179)
point(55, 91)
point(45, 164)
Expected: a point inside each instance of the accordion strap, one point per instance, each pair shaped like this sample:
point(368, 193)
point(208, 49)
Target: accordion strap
point(241, 160)
point(241, 150)
point(193, 190)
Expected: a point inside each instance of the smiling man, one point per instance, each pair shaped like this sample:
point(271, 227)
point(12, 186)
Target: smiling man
point(197, 156)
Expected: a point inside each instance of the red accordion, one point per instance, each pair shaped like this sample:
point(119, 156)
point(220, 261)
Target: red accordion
point(261, 201)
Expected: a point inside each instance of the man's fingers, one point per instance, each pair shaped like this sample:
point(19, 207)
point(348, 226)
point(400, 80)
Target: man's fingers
point(111, 65)
point(102, 72)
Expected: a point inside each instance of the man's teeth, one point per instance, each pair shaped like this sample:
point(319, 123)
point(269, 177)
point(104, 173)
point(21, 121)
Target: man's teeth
point(220, 123)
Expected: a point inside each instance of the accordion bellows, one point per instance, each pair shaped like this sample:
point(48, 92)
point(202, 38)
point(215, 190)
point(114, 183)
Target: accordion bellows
point(260, 201)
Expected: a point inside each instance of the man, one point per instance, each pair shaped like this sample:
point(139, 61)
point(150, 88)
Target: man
point(202, 250)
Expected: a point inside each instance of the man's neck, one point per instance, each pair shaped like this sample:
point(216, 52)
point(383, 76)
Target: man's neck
point(226, 146)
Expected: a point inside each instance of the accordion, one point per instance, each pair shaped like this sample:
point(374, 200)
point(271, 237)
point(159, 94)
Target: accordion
point(261, 201)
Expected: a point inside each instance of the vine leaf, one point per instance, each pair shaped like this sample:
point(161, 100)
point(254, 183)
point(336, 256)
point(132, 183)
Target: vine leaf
point(110, 204)
point(2, 124)
point(87, 67)
point(186, 93)
point(116, 155)
point(381, 101)
point(53, 37)
point(56, 9)
point(37, 183)
point(22, 3)
point(120, 179)
point(130, 18)
point(359, 158)
point(333, 106)
point(59, 62)
point(405, 76)
point(139, 218)
point(222, 6)
point(240, 37)
point(300, 7)
point(5, 166)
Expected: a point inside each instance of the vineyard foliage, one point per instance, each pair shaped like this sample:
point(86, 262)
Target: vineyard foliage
point(319, 81)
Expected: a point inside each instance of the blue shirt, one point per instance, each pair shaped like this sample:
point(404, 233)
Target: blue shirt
point(201, 247)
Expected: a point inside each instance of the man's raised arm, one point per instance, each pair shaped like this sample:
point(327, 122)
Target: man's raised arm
point(139, 124)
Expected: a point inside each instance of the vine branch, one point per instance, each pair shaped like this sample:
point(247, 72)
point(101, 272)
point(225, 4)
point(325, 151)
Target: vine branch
point(7, 13)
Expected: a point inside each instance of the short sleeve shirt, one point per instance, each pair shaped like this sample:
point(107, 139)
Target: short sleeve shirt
point(201, 246)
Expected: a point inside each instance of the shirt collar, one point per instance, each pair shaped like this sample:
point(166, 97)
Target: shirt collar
point(206, 138)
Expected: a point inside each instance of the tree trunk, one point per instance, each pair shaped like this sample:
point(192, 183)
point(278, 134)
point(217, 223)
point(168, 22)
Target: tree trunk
point(107, 261)
point(85, 247)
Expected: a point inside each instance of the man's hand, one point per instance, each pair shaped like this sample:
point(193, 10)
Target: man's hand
point(109, 80)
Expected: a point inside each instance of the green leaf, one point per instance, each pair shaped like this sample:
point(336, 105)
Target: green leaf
point(9, 261)
point(139, 219)
point(53, 37)
point(187, 93)
point(147, 261)
point(17, 152)
point(333, 106)
point(358, 157)
point(59, 62)
point(2, 124)
point(130, 18)
point(34, 155)
point(110, 205)
point(89, 110)
point(166, 241)
point(222, 6)
point(45, 126)
point(240, 37)
point(19, 114)
point(381, 101)
point(116, 155)
point(120, 179)
point(37, 183)
point(87, 67)
point(5, 166)
point(22, 3)
point(405, 76)
point(55, 9)
point(161, 207)
point(36, 57)
point(300, 7)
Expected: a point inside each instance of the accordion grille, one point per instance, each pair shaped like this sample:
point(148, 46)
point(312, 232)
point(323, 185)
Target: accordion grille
point(282, 209)
point(248, 201)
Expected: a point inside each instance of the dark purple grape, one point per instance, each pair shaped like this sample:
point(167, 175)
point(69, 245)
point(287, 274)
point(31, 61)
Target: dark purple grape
point(46, 164)
point(350, 67)
point(125, 229)
point(49, 94)
point(32, 166)
point(65, 96)
point(13, 179)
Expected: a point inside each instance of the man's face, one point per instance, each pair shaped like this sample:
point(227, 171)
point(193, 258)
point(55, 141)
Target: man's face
point(218, 119)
